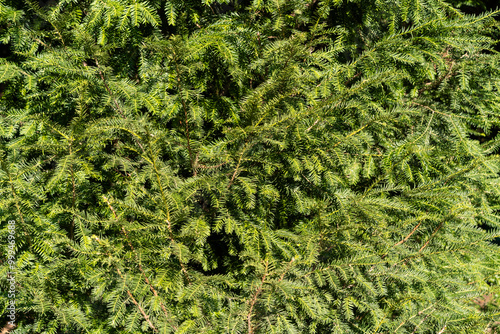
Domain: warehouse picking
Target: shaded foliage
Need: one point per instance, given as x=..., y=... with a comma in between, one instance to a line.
x=250, y=166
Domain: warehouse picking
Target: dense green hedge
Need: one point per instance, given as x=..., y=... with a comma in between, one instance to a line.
x=321, y=166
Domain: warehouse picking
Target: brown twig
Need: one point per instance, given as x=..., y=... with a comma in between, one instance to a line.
x=432, y=85
x=110, y=207
x=432, y=235
x=153, y=290
x=146, y=317
x=409, y=235
x=351, y=79
x=421, y=322
x=309, y=128
x=236, y=170
x=286, y=269
x=254, y=299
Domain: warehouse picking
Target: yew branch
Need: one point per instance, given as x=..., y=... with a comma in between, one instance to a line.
x=254, y=299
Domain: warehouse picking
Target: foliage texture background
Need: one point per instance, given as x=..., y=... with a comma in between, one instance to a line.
x=296, y=166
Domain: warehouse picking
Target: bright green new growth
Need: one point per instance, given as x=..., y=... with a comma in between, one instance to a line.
x=250, y=166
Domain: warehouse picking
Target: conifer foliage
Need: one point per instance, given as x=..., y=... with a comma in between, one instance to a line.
x=284, y=166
